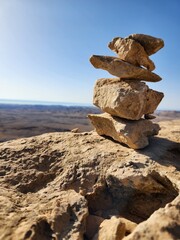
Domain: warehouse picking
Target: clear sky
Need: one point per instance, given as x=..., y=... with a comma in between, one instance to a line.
x=45, y=45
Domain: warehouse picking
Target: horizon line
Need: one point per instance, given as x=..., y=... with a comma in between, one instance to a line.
x=41, y=102
x=56, y=103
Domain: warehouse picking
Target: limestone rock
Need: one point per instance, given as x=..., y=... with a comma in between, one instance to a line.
x=111, y=229
x=56, y=217
x=164, y=222
x=92, y=225
x=75, y=130
x=150, y=183
x=131, y=52
x=122, y=69
x=129, y=225
x=128, y=99
x=115, y=228
x=42, y=177
x=150, y=44
x=132, y=133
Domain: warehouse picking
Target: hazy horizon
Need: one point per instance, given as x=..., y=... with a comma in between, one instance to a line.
x=59, y=103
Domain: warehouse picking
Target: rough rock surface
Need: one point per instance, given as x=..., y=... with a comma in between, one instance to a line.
x=150, y=44
x=114, y=228
x=92, y=225
x=128, y=99
x=111, y=229
x=166, y=220
x=131, y=52
x=122, y=69
x=134, y=134
x=51, y=183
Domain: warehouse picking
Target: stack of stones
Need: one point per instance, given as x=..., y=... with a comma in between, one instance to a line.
x=127, y=101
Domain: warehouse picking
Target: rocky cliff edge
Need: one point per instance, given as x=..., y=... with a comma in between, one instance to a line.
x=82, y=185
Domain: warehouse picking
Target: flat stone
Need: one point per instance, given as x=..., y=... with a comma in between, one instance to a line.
x=122, y=69
x=132, y=133
x=150, y=44
x=127, y=99
x=132, y=52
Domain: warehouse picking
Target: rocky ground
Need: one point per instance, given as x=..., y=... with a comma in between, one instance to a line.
x=83, y=186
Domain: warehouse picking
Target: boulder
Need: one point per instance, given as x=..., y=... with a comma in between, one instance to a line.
x=128, y=99
x=132, y=133
x=111, y=229
x=132, y=52
x=150, y=44
x=122, y=69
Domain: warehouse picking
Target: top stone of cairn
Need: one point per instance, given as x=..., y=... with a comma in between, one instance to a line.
x=132, y=52
x=150, y=44
x=133, y=60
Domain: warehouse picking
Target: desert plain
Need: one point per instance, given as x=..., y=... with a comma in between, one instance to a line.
x=18, y=121
x=30, y=120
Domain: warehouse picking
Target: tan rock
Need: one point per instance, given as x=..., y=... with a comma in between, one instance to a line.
x=131, y=52
x=111, y=229
x=92, y=225
x=122, y=69
x=163, y=224
x=51, y=207
x=127, y=99
x=57, y=216
x=150, y=44
x=75, y=130
x=145, y=192
x=132, y=133
x=129, y=225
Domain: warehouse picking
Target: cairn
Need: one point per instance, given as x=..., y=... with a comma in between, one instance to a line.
x=126, y=99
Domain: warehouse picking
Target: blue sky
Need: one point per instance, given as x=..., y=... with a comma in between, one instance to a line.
x=45, y=46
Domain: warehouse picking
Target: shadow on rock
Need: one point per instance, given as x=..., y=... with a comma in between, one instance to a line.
x=163, y=151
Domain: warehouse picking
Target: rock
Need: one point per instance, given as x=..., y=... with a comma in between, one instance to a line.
x=75, y=130
x=150, y=44
x=116, y=180
x=127, y=99
x=122, y=69
x=92, y=225
x=111, y=229
x=131, y=52
x=163, y=224
x=132, y=133
x=125, y=186
x=149, y=116
x=129, y=225
x=56, y=217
